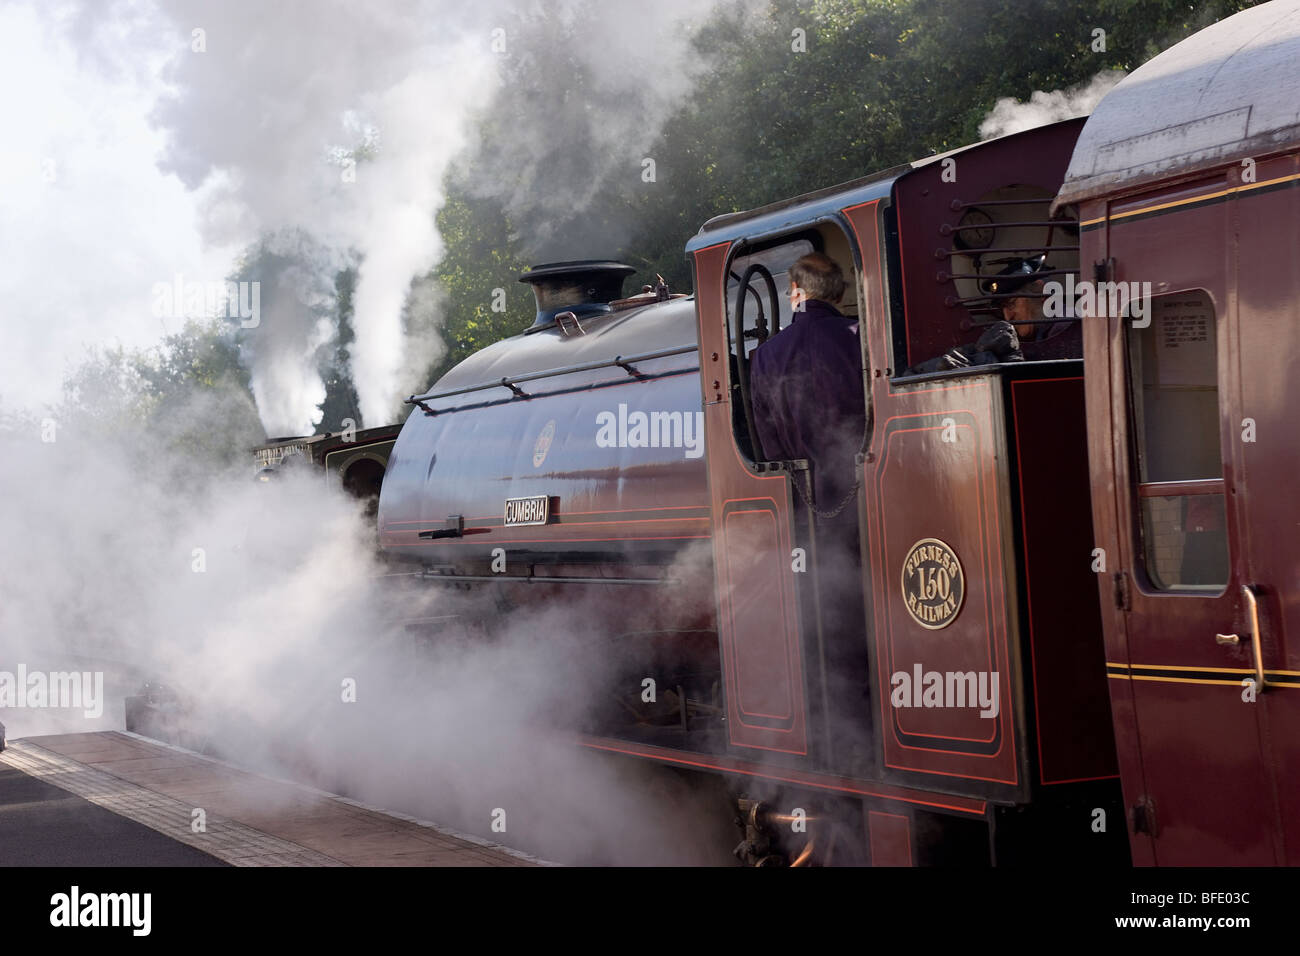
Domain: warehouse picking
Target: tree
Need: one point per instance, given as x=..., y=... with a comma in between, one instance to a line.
x=185, y=401
x=880, y=83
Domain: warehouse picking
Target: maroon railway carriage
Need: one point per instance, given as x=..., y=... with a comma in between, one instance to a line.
x=1187, y=177
x=563, y=466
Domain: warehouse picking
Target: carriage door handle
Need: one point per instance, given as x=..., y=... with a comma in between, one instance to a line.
x=1252, y=608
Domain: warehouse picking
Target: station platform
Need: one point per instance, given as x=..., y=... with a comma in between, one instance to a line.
x=119, y=799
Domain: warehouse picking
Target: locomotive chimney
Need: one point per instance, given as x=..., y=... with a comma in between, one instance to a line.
x=584, y=287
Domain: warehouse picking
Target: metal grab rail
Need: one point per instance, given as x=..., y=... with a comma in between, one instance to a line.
x=948, y=229
x=511, y=381
x=1252, y=608
x=974, y=323
x=943, y=276
x=742, y=366
x=971, y=253
x=958, y=204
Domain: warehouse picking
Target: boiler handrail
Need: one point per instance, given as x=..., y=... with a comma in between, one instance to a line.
x=511, y=381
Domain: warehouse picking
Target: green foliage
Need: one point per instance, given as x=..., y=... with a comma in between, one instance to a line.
x=481, y=256
x=882, y=82
x=187, y=399
x=203, y=354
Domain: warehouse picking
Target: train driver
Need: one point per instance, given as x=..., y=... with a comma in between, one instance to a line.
x=1018, y=336
x=1038, y=340
x=807, y=382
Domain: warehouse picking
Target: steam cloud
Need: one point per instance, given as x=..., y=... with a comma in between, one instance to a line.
x=255, y=602
x=1009, y=115
x=336, y=121
x=573, y=118
x=333, y=126
x=245, y=146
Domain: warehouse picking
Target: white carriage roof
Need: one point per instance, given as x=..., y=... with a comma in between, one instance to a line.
x=1228, y=92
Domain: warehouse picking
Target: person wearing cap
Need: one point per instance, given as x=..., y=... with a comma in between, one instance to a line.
x=1017, y=336
x=1023, y=312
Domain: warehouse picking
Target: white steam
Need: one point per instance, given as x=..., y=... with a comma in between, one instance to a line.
x=256, y=602
x=280, y=90
x=588, y=100
x=285, y=352
x=147, y=552
x=88, y=224
x=160, y=140
x=338, y=121
x=1009, y=115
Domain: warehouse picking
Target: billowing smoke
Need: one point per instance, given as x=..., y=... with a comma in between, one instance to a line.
x=284, y=353
x=334, y=125
x=88, y=225
x=586, y=95
x=336, y=121
x=290, y=648
x=308, y=139
x=1009, y=115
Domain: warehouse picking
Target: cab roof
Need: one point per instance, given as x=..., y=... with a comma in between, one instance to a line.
x=1229, y=92
x=789, y=214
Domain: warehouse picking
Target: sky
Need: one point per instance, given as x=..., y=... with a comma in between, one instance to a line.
x=88, y=221
x=150, y=145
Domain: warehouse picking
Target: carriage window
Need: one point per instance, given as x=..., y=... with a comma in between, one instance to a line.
x=1173, y=371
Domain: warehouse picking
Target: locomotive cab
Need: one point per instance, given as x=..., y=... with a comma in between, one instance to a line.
x=974, y=667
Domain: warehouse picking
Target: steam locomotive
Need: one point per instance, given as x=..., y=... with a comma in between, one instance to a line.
x=354, y=460
x=1137, y=650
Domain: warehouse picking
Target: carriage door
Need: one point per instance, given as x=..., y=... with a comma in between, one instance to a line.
x=1203, y=795
x=1268, y=338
